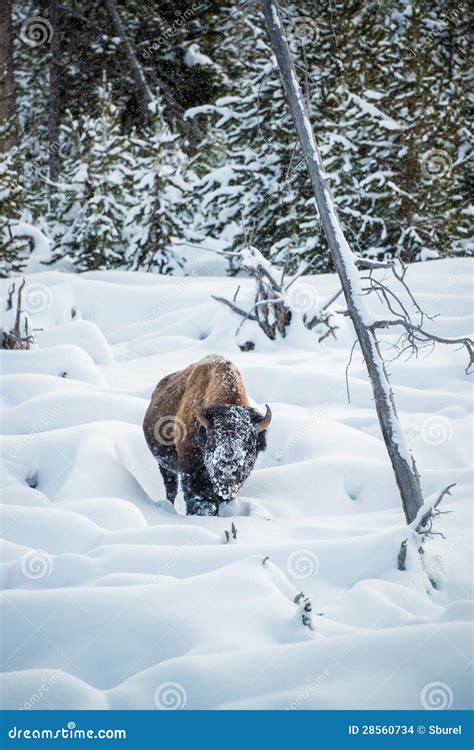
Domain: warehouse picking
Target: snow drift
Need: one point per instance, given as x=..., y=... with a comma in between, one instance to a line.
x=112, y=598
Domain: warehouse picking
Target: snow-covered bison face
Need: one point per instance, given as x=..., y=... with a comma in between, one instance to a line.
x=230, y=438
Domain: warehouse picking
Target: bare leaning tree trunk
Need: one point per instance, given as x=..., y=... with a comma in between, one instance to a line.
x=403, y=464
x=145, y=94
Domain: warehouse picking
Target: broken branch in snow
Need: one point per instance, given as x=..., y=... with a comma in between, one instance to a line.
x=271, y=308
x=10, y=294
x=232, y=534
x=303, y=601
x=422, y=526
x=425, y=522
x=14, y=339
x=238, y=310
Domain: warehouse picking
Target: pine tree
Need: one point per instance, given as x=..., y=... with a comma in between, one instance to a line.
x=405, y=186
x=13, y=250
x=244, y=195
x=386, y=87
x=93, y=193
x=387, y=96
x=152, y=221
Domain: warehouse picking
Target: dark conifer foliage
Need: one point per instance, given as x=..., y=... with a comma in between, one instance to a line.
x=123, y=173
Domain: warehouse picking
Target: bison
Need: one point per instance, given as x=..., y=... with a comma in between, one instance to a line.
x=200, y=427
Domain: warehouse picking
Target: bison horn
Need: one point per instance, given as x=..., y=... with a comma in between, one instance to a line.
x=201, y=417
x=265, y=421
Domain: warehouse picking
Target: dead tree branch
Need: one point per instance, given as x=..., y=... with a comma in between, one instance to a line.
x=271, y=308
x=422, y=527
x=415, y=335
x=14, y=338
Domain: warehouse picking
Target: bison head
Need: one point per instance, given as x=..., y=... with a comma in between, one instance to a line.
x=230, y=438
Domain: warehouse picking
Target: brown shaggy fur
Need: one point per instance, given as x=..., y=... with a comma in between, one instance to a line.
x=213, y=380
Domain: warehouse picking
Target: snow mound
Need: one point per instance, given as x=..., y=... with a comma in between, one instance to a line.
x=110, y=593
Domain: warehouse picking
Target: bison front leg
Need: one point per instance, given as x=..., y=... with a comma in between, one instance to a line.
x=170, y=480
x=200, y=498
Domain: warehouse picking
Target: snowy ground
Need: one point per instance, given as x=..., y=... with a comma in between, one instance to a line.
x=113, y=600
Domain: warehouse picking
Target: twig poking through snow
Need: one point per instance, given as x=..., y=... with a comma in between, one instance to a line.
x=305, y=604
x=14, y=339
x=232, y=534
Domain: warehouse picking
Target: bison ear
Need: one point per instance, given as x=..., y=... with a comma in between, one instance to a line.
x=261, y=423
x=201, y=417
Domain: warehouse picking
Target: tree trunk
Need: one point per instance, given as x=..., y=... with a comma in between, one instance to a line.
x=145, y=95
x=53, y=99
x=8, y=131
x=193, y=131
x=403, y=464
